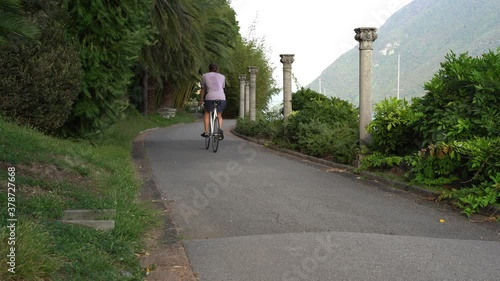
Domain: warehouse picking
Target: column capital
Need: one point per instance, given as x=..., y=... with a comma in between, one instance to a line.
x=366, y=36
x=287, y=58
x=253, y=69
x=242, y=77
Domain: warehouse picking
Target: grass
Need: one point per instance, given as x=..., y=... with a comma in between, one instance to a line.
x=52, y=175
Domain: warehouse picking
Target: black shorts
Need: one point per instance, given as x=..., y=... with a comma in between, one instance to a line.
x=209, y=105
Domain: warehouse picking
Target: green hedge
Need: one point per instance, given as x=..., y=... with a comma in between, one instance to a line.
x=40, y=79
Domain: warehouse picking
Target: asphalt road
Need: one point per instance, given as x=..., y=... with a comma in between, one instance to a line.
x=250, y=213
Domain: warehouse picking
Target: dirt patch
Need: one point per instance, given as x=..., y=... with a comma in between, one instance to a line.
x=164, y=257
x=46, y=172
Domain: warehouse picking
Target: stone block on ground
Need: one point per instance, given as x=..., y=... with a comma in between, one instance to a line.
x=98, y=219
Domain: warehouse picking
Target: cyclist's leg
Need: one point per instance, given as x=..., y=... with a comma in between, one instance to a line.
x=206, y=120
x=219, y=115
x=220, y=109
x=206, y=116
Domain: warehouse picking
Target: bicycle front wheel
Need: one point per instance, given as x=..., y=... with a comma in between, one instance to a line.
x=215, y=144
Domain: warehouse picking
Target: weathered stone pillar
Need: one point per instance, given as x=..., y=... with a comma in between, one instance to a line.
x=287, y=61
x=242, y=78
x=253, y=87
x=247, y=99
x=365, y=36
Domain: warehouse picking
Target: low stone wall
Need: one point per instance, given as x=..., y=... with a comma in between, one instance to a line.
x=166, y=112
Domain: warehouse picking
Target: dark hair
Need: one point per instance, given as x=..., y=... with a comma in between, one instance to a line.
x=213, y=67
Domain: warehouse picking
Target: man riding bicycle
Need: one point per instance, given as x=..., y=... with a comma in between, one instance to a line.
x=212, y=88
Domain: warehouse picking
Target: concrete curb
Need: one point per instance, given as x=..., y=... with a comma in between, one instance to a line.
x=150, y=191
x=390, y=185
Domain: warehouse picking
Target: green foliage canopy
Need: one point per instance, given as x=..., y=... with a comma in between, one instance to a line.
x=326, y=127
x=12, y=23
x=456, y=128
x=250, y=53
x=462, y=100
x=40, y=80
x=392, y=127
x=111, y=35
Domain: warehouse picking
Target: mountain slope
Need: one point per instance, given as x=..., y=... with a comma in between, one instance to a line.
x=422, y=33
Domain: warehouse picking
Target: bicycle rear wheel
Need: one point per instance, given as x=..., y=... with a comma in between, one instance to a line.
x=207, y=139
x=215, y=135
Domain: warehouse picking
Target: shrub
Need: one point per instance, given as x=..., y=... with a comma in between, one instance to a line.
x=326, y=127
x=40, y=80
x=267, y=125
x=457, y=125
x=332, y=111
x=336, y=141
x=462, y=99
x=392, y=127
x=304, y=96
x=480, y=158
x=474, y=199
x=435, y=165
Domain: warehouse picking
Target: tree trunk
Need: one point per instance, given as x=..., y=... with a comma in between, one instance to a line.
x=151, y=99
x=168, y=95
x=145, y=92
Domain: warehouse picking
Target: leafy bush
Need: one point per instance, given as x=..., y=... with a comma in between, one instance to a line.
x=392, y=127
x=457, y=121
x=435, y=166
x=462, y=99
x=380, y=161
x=267, y=125
x=111, y=35
x=332, y=111
x=480, y=158
x=304, y=96
x=474, y=199
x=337, y=141
x=40, y=80
x=324, y=127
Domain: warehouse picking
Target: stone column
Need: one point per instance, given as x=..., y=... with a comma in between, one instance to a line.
x=253, y=81
x=287, y=61
x=242, y=78
x=365, y=36
x=247, y=99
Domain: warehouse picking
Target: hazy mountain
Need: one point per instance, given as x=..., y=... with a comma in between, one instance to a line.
x=422, y=33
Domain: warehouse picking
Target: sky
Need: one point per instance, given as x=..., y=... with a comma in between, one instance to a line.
x=316, y=31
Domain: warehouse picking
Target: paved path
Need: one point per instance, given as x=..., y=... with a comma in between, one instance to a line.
x=249, y=213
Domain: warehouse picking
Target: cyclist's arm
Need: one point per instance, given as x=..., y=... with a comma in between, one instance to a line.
x=202, y=95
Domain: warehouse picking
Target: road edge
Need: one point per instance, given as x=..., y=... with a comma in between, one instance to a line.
x=387, y=184
x=164, y=255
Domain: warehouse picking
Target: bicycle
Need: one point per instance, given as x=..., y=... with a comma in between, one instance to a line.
x=214, y=129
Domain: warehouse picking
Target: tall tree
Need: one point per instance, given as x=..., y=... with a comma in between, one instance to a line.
x=176, y=52
x=111, y=35
x=251, y=53
x=187, y=37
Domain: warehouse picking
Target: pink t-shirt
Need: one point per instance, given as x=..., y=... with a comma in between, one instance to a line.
x=214, y=83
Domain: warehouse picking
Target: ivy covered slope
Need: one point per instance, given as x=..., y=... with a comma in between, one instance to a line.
x=451, y=136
